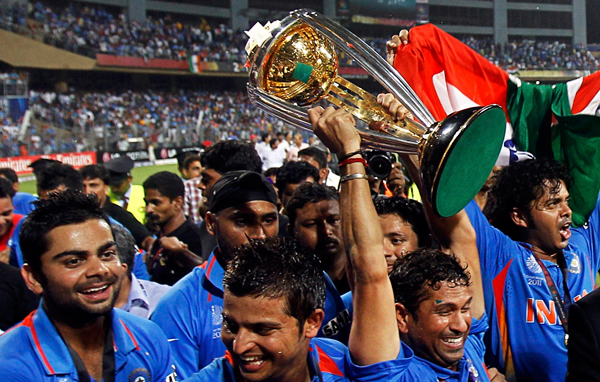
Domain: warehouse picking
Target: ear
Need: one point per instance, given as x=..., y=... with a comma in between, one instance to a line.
x=32, y=279
x=519, y=218
x=210, y=220
x=313, y=323
x=402, y=318
x=178, y=202
x=323, y=175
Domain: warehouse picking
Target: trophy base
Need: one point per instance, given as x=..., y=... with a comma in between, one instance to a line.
x=459, y=155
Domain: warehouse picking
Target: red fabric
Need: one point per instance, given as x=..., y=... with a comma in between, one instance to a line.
x=431, y=51
x=4, y=239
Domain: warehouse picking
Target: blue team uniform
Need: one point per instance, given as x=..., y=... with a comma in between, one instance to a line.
x=190, y=316
x=526, y=338
x=34, y=351
x=328, y=361
x=23, y=203
x=471, y=368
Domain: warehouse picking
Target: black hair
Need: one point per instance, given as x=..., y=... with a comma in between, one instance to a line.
x=9, y=174
x=95, y=171
x=410, y=211
x=278, y=268
x=308, y=193
x=317, y=154
x=61, y=208
x=57, y=174
x=166, y=183
x=6, y=188
x=294, y=173
x=189, y=160
x=415, y=274
x=521, y=184
x=231, y=155
x=126, y=247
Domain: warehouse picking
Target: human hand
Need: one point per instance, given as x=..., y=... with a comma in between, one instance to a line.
x=336, y=129
x=172, y=244
x=495, y=375
x=5, y=256
x=392, y=45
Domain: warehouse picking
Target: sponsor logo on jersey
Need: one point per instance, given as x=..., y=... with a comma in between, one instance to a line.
x=335, y=325
x=533, y=265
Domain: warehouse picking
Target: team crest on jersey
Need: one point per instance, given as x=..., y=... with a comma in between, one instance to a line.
x=217, y=318
x=533, y=265
x=575, y=266
x=139, y=375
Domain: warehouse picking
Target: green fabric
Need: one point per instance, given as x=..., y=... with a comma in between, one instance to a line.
x=470, y=162
x=528, y=105
x=576, y=143
x=573, y=140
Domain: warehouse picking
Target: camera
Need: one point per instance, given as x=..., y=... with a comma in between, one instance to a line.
x=380, y=163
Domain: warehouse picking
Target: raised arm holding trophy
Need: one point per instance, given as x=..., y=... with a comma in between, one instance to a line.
x=293, y=64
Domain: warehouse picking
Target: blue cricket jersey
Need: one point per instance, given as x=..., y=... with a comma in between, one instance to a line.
x=190, y=316
x=34, y=351
x=526, y=339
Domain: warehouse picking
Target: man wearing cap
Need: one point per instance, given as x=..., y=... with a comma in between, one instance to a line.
x=122, y=192
x=242, y=207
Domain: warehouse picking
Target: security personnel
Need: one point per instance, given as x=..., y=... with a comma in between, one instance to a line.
x=122, y=192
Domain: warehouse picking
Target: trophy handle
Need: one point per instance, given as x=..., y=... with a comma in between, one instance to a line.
x=298, y=117
x=370, y=60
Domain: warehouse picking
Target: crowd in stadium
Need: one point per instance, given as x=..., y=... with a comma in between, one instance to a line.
x=89, y=29
x=273, y=255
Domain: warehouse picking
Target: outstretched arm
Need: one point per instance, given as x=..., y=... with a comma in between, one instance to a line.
x=374, y=335
x=455, y=234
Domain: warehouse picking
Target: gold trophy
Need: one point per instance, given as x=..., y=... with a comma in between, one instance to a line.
x=294, y=65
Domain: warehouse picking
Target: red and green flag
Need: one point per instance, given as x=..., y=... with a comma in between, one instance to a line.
x=556, y=121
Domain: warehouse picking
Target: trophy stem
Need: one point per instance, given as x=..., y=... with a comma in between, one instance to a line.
x=298, y=117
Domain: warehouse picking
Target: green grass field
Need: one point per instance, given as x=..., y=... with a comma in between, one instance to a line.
x=140, y=174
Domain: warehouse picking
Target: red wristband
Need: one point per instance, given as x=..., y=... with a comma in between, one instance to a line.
x=353, y=160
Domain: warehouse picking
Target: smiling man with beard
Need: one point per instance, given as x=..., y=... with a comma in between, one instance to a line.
x=174, y=253
x=71, y=260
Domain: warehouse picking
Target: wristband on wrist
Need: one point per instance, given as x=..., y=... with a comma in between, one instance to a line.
x=349, y=177
x=353, y=160
x=353, y=153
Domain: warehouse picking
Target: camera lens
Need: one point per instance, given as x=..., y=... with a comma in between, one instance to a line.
x=380, y=165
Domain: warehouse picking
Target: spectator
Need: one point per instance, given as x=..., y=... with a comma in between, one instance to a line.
x=8, y=219
x=22, y=201
x=292, y=175
x=138, y=297
x=318, y=158
x=95, y=180
x=175, y=253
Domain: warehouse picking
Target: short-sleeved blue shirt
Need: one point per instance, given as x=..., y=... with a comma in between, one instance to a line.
x=34, y=351
x=190, y=315
x=526, y=338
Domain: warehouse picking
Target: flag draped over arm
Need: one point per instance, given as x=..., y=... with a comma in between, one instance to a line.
x=545, y=120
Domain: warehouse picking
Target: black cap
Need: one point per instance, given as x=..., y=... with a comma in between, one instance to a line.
x=118, y=169
x=238, y=187
x=39, y=165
